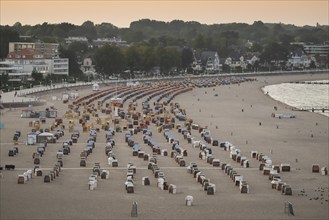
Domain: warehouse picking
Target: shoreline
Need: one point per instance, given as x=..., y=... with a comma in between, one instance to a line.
x=295, y=108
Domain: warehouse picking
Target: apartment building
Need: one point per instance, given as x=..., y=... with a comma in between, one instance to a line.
x=60, y=66
x=317, y=49
x=32, y=59
x=15, y=72
x=48, y=50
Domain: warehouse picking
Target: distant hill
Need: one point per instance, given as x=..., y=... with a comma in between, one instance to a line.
x=226, y=39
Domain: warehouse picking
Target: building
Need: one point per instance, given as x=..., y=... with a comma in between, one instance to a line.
x=32, y=59
x=197, y=66
x=15, y=72
x=76, y=39
x=48, y=50
x=117, y=41
x=318, y=53
x=316, y=49
x=210, y=61
x=298, y=62
x=28, y=59
x=15, y=46
x=252, y=60
x=298, y=59
x=60, y=66
x=87, y=65
x=236, y=63
x=7, y=67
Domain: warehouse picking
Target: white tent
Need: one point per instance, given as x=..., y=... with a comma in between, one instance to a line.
x=95, y=87
x=44, y=136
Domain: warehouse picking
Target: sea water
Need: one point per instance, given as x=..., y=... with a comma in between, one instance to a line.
x=301, y=95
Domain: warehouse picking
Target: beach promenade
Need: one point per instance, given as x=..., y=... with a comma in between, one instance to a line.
x=240, y=114
x=19, y=98
x=27, y=95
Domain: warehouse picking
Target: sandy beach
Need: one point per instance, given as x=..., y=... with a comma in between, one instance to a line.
x=237, y=113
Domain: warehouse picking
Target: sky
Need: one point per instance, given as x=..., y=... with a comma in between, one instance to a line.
x=122, y=13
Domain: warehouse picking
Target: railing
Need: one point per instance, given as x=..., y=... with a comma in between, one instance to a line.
x=180, y=77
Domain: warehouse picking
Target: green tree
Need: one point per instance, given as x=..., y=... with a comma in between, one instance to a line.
x=226, y=68
x=149, y=57
x=168, y=58
x=312, y=35
x=109, y=60
x=278, y=31
x=256, y=47
x=59, y=32
x=230, y=37
x=74, y=67
x=106, y=30
x=88, y=30
x=38, y=77
x=199, y=42
x=6, y=35
x=79, y=49
x=134, y=36
x=186, y=57
x=274, y=52
x=3, y=81
x=312, y=65
x=133, y=58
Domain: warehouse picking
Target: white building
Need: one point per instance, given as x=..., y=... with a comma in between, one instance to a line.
x=87, y=65
x=253, y=60
x=76, y=39
x=99, y=42
x=296, y=61
x=236, y=63
x=14, y=71
x=29, y=59
x=316, y=49
x=60, y=66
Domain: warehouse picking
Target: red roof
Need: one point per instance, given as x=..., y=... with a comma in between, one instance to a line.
x=24, y=54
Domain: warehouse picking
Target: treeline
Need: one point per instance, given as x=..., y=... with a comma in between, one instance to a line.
x=219, y=37
x=110, y=60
